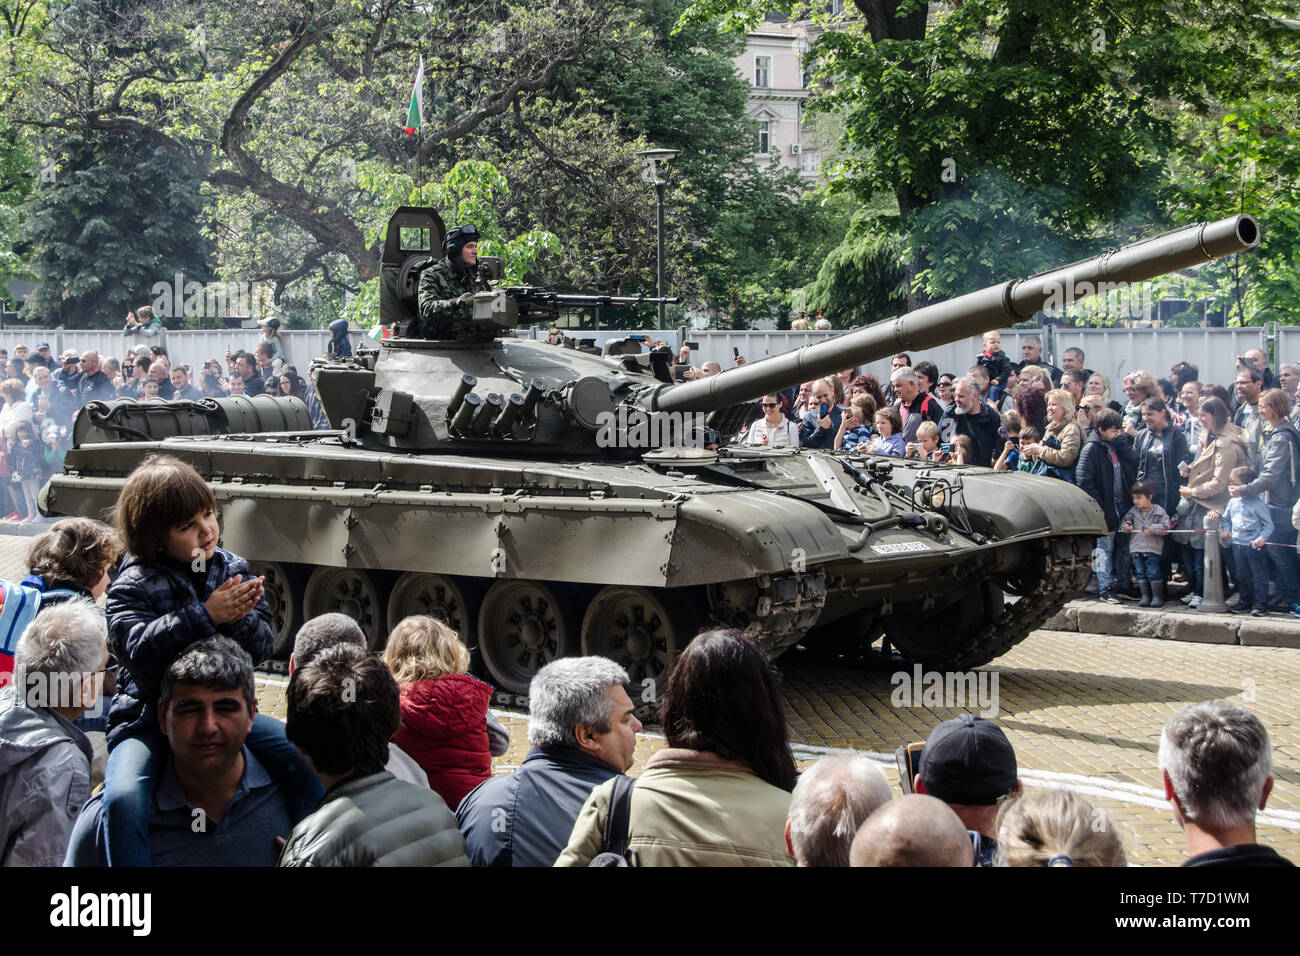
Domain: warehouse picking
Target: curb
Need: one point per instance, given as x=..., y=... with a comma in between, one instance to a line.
x=1094, y=617
x=18, y=530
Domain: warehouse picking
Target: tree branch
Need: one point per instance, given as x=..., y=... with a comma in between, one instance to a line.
x=575, y=173
x=319, y=218
x=310, y=261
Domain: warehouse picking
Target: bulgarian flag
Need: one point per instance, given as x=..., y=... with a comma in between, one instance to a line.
x=415, y=112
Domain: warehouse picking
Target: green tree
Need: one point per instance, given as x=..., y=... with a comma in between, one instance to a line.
x=862, y=279
x=16, y=179
x=281, y=101
x=113, y=220
x=768, y=242
x=1247, y=161
x=1019, y=134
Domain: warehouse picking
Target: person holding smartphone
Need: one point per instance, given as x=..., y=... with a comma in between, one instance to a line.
x=822, y=423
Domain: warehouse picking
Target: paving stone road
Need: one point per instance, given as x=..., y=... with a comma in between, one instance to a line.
x=1082, y=710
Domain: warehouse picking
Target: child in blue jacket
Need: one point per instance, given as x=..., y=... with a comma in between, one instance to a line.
x=175, y=587
x=1248, y=524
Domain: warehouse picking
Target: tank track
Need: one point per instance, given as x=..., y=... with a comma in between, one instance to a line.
x=780, y=610
x=1067, y=565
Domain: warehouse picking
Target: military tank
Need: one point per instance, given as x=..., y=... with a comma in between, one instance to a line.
x=545, y=499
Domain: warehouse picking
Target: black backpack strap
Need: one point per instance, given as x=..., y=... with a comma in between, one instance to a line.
x=619, y=817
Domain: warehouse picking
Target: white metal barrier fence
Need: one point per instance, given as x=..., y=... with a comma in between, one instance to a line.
x=1115, y=352
x=192, y=347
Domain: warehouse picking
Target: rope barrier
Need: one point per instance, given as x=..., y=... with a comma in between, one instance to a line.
x=1267, y=544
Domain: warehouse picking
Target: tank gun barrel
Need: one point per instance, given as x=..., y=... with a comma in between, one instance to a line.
x=971, y=314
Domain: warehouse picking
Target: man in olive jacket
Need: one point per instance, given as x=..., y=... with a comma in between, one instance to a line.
x=446, y=292
x=342, y=712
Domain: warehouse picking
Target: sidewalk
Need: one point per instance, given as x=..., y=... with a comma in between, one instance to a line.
x=1176, y=622
x=24, y=530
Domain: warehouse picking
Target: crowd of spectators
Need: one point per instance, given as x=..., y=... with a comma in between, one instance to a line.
x=1171, y=453
x=42, y=395
x=386, y=760
x=724, y=792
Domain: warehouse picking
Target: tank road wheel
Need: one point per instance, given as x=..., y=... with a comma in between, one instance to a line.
x=941, y=636
x=641, y=630
x=522, y=627
x=282, y=588
x=349, y=591
x=453, y=601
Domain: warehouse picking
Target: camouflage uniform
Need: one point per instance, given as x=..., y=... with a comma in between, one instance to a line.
x=440, y=286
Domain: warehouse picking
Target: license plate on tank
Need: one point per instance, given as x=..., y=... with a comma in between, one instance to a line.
x=900, y=548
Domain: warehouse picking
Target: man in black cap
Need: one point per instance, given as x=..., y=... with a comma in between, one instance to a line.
x=447, y=287
x=969, y=764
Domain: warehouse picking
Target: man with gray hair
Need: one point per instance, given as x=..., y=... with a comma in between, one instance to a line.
x=1217, y=769
x=583, y=727
x=1031, y=353
x=830, y=802
x=1259, y=362
x=59, y=667
x=913, y=405
x=1288, y=379
x=972, y=417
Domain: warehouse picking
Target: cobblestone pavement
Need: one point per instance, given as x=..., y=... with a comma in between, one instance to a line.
x=1082, y=710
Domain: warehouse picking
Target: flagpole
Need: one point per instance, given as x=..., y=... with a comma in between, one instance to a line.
x=419, y=137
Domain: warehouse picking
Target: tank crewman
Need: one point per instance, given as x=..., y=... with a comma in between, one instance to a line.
x=447, y=287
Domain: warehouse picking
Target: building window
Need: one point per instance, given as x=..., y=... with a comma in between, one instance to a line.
x=764, y=135
x=808, y=162
x=762, y=72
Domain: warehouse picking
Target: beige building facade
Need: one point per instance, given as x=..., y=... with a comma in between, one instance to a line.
x=778, y=92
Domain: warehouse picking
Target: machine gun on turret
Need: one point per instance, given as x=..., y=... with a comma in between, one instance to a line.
x=506, y=307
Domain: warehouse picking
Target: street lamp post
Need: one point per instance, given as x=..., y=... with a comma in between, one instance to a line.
x=650, y=158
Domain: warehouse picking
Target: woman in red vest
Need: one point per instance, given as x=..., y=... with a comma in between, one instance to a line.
x=446, y=726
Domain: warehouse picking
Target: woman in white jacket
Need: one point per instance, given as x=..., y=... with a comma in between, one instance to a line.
x=773, y=430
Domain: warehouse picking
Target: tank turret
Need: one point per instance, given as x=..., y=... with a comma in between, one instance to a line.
x=491, y=391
